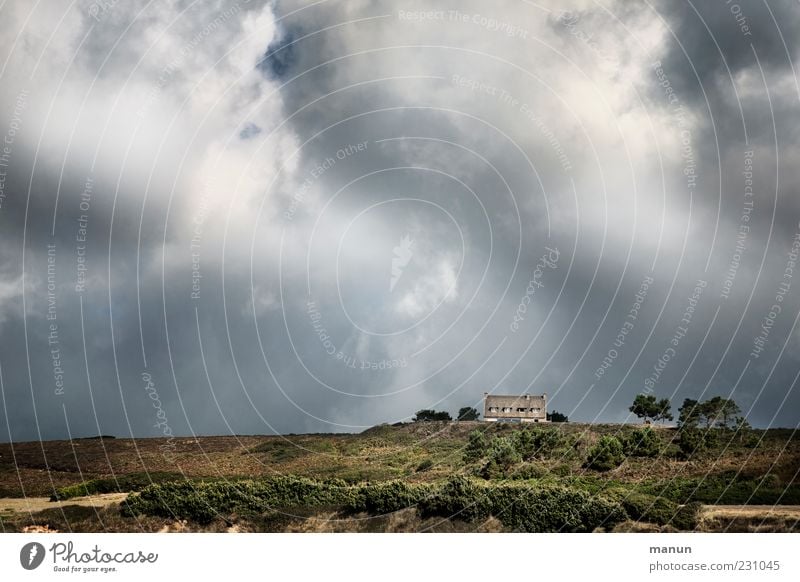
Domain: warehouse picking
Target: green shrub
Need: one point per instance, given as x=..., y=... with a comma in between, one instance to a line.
x=537, y=443
x=202, y=501
x=642, y=443
x=120, y=484
x=424, y=465
x=551, y=509
x=726, y=489
x=695, y=441
x=522, y=507
x=459, y=497
x=381, y=498
x=607, y=454
x=477, y=447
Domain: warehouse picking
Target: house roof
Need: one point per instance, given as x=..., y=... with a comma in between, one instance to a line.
x=515, y=400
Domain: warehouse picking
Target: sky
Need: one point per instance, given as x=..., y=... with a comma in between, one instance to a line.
x=248, y=217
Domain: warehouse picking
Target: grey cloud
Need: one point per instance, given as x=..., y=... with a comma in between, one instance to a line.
x=451, y=113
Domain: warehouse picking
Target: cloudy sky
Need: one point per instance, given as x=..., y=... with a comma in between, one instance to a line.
x=243, y=217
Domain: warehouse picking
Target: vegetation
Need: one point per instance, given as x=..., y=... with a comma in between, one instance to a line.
x=121, y=483
x=519, y=506
x=430, y=415
x=715, y=412
x=477, y=446
x=503, y=456
x=607, y=454
x=646, y=406
x=468, y=413
x=556, y=416
x=642, y=443
x=440, y=476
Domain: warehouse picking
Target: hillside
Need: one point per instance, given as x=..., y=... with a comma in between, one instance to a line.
x=453, y=476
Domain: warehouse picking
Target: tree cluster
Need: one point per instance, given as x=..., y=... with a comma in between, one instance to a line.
x=715, y=412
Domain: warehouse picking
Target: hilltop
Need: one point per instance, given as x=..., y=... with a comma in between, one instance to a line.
x=260, y=482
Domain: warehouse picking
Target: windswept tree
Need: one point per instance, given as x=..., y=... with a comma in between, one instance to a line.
x=647, y=406
x=556, y=416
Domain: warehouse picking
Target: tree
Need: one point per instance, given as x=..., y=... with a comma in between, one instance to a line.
x=503, y=456
x=644, y=406
x=607, y=454
x=689, y=414
x=695, y=441
x=477, y=446
x=426, y=415
x=557, y=417
x=467, y=413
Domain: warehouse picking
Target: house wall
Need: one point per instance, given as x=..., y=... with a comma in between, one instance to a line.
x=508, y=408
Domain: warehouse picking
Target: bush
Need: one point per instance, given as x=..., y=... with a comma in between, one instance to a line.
x=424, y=465
x=529, y=471
x=519, y=506
x=537, y=443
x=607, y=454
x=459, y=497
x=642, y=443
x=552, y=509
x=726, y=489
x=522, y=507
x=381, y=498
x=503, y=456
x=203, y=501
x=694, y=441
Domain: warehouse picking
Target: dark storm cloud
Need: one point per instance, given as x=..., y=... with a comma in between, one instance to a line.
x=252, y=206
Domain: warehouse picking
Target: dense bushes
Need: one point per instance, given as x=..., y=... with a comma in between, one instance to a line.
x=695, y=441
x=519, y=506
x=551, y=508
x=120, y=484
x=380, y=498
x=607, y=454
x=202, y=501
x=503, y=453
x=726, y=489
x=657, y=510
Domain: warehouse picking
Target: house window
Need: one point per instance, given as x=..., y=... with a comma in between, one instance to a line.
x=536, y=409
x=522, y=410
x=492, y=409
x=506, y=409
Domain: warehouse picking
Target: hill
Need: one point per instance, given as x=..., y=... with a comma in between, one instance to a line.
x=452, y=476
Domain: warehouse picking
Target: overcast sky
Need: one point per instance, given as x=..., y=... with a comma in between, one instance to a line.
x=249, y=217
